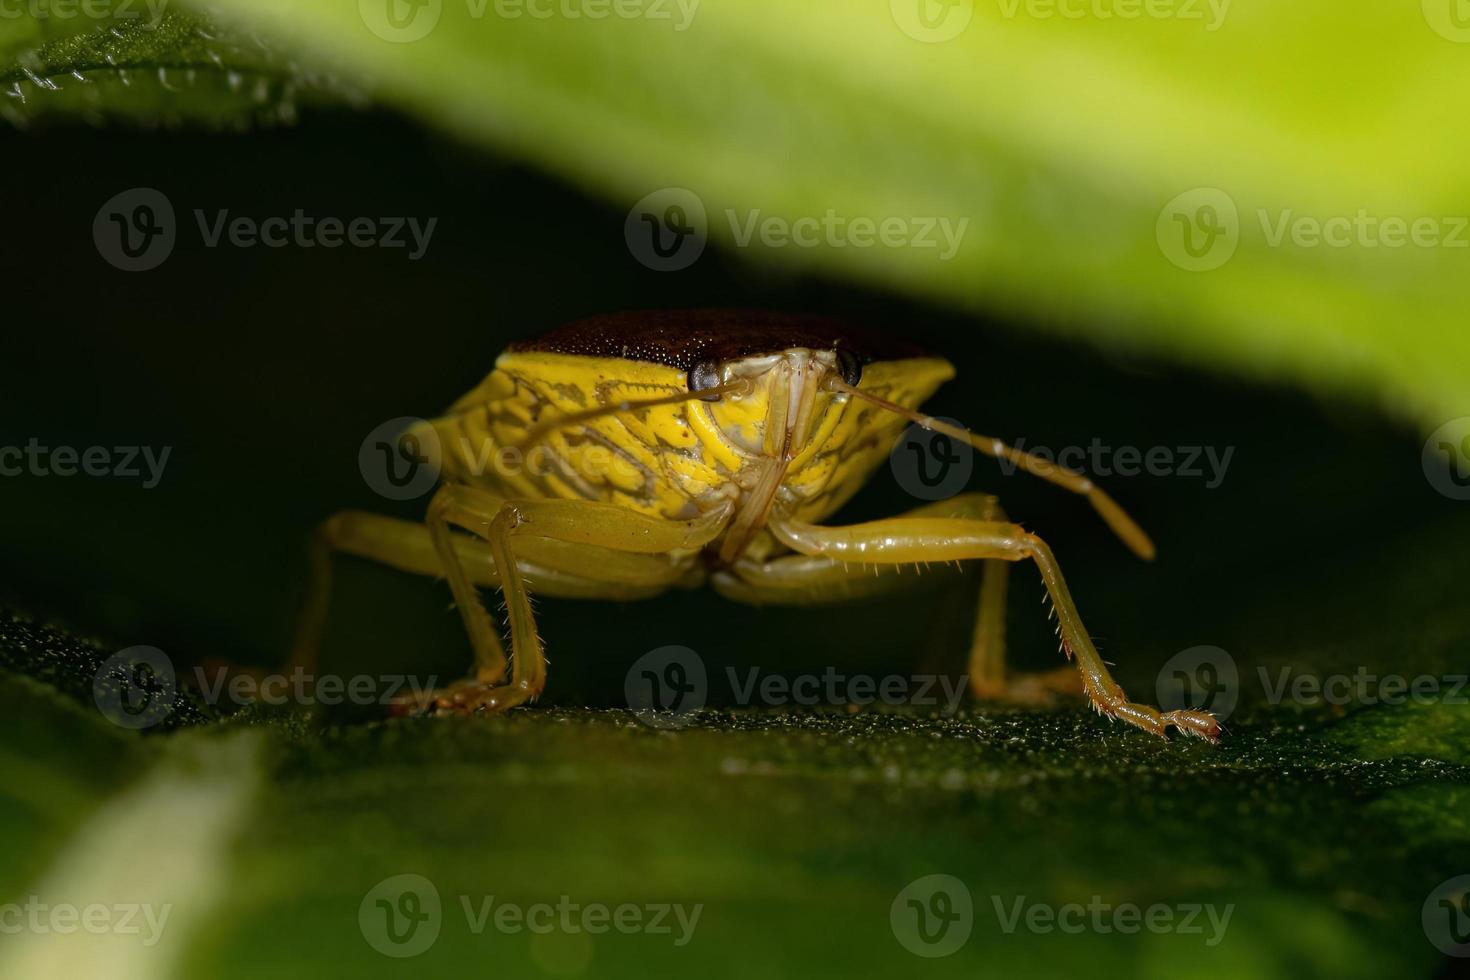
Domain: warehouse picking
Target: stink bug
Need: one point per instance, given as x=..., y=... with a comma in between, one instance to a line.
x=706, y=447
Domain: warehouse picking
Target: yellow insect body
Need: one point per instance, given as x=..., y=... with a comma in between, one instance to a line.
x=622, y=456
x=672, y=461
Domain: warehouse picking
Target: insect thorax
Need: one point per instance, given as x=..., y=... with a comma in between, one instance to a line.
x=675, y=461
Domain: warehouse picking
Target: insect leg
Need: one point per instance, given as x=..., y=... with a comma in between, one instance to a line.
x=988, y=648
x=799, y=580
x=506, y=526
x=553, y=567
x=907, y=540
x=453, y=505
x=989, y=679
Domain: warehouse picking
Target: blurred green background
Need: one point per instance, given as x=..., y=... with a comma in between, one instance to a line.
x=1325, y=549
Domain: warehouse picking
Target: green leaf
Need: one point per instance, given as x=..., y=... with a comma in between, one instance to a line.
x=1065, y=142
x=1319, y=840
x=1323, y=830
x=152, y=67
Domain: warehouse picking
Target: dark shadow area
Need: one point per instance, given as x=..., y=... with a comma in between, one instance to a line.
x=262, y=370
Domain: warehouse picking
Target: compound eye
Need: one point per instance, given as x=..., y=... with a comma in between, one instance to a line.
x=850, y=366
x=704, y=376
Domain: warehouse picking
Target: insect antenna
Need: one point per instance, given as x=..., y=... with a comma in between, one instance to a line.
x=541, y=430
x=1125, y=527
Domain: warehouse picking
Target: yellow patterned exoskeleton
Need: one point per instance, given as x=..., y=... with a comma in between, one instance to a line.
x=622, y=456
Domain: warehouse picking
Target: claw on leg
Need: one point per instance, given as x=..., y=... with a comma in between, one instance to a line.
x=463, y=698
x=1045, y=690
x=1110, y=701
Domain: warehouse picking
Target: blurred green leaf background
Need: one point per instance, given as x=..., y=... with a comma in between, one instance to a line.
x=1121, y=181
x=1309, y=153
